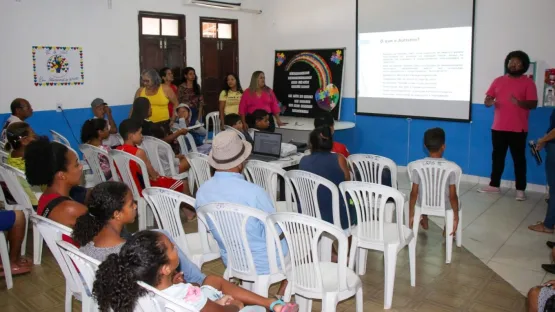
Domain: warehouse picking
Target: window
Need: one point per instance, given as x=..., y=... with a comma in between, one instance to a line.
x=160, y=26
x=217, y=30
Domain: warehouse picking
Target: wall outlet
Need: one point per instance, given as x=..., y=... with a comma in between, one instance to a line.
x=59, y=107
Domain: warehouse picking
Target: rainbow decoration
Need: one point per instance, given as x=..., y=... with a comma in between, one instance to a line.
x=327, y=96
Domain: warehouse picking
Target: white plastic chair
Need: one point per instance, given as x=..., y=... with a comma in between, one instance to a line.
x=369, y=168
x=157, y=301
x=11, y=176
x=4, y=253
x=267, y=176
x=199, y=247
x=199, y=172
x=160, y=153
x=374, y=232
x=310, y=277
x=122, y=161
x=117, y=137
x=302, y=196
x=183, y=144
x=214, y=119
x=56, y=137
x=52, y=233
x=434, y=177
x=239, y=133
x=92, y=155
x=230, y=221
x=3, y=156
x=87, y=267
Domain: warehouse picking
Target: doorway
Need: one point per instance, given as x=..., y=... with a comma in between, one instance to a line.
x=162, y=42
x=219, y=50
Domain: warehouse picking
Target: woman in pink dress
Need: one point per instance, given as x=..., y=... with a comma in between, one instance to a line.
x=260, y=96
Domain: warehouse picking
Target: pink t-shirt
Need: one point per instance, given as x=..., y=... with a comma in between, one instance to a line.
x=251, y=102
x=508, y=116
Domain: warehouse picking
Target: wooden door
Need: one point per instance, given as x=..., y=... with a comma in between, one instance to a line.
x=229, y=57
x=175, y=57
x=152, y=53
x=211, y=76
x=219, y=53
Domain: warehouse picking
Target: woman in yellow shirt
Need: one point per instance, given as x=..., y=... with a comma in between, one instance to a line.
x=230, y=96
x=19, y=135
x=159, y=96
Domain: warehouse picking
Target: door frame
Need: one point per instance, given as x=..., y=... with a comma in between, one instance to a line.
x=182, y=35
x=234, y=33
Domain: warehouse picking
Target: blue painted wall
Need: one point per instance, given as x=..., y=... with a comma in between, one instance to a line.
x=468, y=144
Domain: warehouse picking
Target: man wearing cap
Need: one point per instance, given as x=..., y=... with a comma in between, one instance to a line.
x=101, y=110
x=227, y=157
x=21, y=110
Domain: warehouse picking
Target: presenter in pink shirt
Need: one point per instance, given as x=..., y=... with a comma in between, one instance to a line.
x=512, y=96
x=259, y=96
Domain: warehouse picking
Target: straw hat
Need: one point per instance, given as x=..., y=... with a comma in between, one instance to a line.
x=228, y=151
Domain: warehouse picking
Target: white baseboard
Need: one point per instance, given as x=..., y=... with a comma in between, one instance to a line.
x=485, y=181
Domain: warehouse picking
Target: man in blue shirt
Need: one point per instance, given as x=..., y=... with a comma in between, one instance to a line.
x=227, y=157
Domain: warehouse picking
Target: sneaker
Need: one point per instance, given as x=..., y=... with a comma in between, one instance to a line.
x=520, y=196
x=489, y=189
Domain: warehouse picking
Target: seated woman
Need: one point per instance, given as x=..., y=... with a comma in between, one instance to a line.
x=94, y=132
x=330, y=166
x=142, y=110
x=150, y=257
x=54, y=165
x=18, y=136
x=539, y=296
x=13, y=221
x=131, y=132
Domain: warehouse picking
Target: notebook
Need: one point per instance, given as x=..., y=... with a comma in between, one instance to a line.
x=267, y=146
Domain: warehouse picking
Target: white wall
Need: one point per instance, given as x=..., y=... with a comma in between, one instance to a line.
x=110, y=42
x=500, y=27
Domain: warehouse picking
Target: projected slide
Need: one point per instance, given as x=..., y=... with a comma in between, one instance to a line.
x=430, y=64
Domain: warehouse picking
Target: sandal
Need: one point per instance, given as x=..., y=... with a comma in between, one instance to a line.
x=539, y=227
x=16, y=270
x=25, y=262
x=286, y=307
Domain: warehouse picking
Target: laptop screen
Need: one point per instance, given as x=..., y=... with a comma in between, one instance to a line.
x=267, y=143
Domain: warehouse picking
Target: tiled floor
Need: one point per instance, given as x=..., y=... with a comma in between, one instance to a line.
x=494, y=230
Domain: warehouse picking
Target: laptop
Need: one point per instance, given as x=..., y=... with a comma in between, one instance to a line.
x=267, y=146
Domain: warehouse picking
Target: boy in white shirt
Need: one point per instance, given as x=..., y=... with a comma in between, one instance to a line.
x=434, y=140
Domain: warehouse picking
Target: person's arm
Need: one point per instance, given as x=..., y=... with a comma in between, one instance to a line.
x=212, y=306
x=243, y=104
x=344, y=166
x=275, y=109
x=173, y=136
x=530, y=100
x=170, y=94
x=490, y=94
x=546, y=138
x=152, y=173
x=223, y=99
x=113, y=126
x=454, y=200
x=412, y=203
x=526, y=104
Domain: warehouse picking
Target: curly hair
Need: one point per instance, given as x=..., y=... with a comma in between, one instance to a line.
x=139, y=259
x=523, y=57
x=91, y=127
x=14, y=133
x=43, y=159
x=104, y=199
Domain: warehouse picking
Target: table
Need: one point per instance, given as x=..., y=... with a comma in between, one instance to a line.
x=298, y=128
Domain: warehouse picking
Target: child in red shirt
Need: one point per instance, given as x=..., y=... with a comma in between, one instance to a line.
x=326, y=119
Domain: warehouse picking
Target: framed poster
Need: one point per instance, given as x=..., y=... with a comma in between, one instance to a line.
x=549, y=87
x=57, y=66
x=307, y=82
